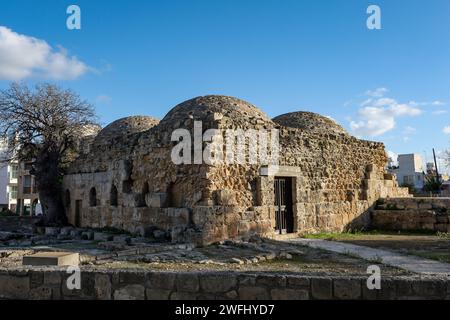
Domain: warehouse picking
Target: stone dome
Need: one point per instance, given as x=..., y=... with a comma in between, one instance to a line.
x=309, y=121
x=125, y=126
x=233, y=111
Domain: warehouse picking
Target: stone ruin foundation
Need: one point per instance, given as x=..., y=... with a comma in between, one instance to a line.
x=125, y=178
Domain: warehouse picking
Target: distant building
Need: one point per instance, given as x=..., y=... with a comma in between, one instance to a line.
x=410, y=170
x=27, y=196
x=431, y=172
x=17, y=187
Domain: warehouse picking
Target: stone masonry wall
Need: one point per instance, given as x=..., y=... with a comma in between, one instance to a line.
x=432, y=214
x=134, y=181
x=44, y=284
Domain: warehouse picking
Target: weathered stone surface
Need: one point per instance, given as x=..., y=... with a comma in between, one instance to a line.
x=41, y=293
x=161, y=280
x=347, y=289
x=430, y=214
x=187, y=282
x=216, y=283
x=127, y=179
x=271, y=281
x=321, y=288
x=157, y=294
x=103, y=287
x=130, y=292
x=13, y=287
x=289, y=294
x=253, y=293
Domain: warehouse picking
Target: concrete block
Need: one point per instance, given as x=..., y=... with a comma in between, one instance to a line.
x=52, y=259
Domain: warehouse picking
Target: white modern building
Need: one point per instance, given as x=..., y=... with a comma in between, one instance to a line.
x=17, y=188
x=410, y=170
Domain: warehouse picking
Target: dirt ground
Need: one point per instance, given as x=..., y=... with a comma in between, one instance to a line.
x=431, y=246
x=303, y=260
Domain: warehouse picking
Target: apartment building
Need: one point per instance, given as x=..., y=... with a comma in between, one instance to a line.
x=410, y=170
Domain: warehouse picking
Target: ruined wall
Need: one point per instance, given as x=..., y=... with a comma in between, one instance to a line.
x=430, y=214
x=50, y=284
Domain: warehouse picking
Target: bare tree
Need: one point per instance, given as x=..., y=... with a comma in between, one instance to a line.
x=447, y=158
x=43, y=125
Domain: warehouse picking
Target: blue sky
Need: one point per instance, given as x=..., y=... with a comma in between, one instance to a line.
x=144, y=57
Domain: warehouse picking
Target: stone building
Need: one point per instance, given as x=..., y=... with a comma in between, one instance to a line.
x=324, y=179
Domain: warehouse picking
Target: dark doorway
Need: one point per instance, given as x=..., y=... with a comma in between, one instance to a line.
x=284, y=217
x=78, y=204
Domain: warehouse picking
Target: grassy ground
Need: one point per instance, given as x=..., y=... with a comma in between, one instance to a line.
x=430, y=245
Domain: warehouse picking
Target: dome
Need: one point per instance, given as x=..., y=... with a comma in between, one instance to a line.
x=309, y=121
x=124, y=127
x=236, y=112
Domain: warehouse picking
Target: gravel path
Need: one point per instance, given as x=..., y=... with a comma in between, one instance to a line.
x=410, y=263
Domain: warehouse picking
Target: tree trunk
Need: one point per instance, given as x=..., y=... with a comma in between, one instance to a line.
x=48, y=182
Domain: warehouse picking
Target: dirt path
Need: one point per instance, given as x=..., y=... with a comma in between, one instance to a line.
x=410, y=263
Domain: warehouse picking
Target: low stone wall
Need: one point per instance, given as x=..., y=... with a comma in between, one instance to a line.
x=431, y=214
x=51, y=284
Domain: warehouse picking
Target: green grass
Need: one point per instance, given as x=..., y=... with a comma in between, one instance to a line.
x=439, y=256
x=355, y=235
x=341, y=235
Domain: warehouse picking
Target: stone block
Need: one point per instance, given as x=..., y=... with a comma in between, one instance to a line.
x=217, y=283
x=41, y=293
x=321, y=288
x=183, y=296
x=66, y=231
x=14, y=287
x=130, y=292
x=187, y=282
x=224, y=197
x=298, y=282
x=87, y=235
x=52, y=259
x=157, y=294
x=100, y=236
x=271, y=281
x=289, y=294
x=102, y=287
x=157, y=200
x=52, y=278
x=347, y=289
x=253, y=293
x=51, y=231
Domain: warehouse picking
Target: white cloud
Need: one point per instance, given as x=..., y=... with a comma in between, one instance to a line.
x=378, y=92
x=439, y=112
x=446, y=130
x=23, y=56
x=377, y=114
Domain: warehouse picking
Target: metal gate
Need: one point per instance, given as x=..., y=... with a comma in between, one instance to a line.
x=284, y=221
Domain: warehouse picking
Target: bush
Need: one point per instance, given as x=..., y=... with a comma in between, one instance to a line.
x=432, y=184
x=6, y=213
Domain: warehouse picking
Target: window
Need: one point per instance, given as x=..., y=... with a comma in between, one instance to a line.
x=113, y=201
x=408, y=179
x=67, y=199
x=92, y=197
x=28, y=166
x=140, y=198
x=14, y=171
x=27, y=184
x=13, y=192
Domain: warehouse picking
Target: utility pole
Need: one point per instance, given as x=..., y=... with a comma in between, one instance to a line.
x=435, y=165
